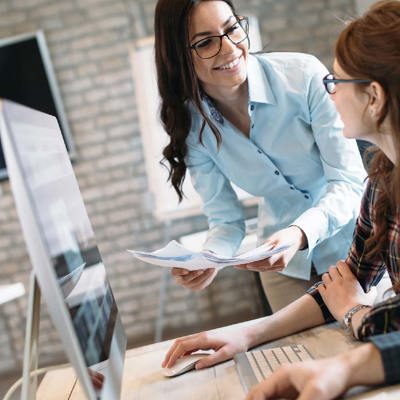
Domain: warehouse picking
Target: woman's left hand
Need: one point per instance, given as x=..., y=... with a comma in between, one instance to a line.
x=292, y=235
x=341, y=290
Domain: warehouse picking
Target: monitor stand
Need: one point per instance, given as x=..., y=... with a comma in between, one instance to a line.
x=31, y=348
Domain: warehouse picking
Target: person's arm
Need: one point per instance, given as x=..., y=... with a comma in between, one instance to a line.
x=223, y=210
x=389, y=349
x=302, y=314
x=380, y=319
x=341, y=161
x=366, y=271
x=323, y=379
x=341, y=292
x=219, y=202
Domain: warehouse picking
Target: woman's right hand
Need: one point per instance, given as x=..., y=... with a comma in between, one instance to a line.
x=225, y=345
x=194, y=280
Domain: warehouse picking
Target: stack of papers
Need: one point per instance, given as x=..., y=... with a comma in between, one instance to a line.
x=176, y=255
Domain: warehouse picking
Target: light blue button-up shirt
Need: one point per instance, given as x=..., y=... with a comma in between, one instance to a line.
x=295, y=158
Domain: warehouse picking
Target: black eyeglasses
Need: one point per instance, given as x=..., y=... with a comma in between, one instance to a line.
x=210, y=46
x=330, y=82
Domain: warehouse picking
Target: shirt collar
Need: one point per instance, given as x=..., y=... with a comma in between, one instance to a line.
x=213, y=111
x=260, y=90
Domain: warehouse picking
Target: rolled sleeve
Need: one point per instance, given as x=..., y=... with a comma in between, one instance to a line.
x=382, y=318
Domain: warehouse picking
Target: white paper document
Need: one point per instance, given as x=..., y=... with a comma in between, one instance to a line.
x=176, y=255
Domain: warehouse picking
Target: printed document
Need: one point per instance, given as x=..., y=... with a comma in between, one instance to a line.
x=176, y=255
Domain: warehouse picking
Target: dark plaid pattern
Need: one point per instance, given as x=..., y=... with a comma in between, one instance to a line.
x=389, y=347
x=385, y=316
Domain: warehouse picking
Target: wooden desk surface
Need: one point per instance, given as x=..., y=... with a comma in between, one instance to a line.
x=143, y=379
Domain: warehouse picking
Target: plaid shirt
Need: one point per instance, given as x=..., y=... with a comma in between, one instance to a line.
x=389, y=348
x=385, y=316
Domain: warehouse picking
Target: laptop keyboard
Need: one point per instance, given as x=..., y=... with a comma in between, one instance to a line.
x=265, y=362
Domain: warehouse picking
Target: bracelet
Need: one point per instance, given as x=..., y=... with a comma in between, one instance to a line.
x=349, y=315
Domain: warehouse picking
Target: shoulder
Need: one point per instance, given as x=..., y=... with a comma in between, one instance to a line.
x=193, y=143
x=289, y=61
x=298, y=69
x=370, y=195
x=195, y=123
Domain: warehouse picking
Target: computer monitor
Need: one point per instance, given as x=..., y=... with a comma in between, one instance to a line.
x=27, y=77
x=62, y=247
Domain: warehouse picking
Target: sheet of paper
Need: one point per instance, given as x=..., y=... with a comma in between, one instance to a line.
x=176, y=255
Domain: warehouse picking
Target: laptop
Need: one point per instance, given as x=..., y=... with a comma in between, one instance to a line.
x=62, y=247
x=256, y=365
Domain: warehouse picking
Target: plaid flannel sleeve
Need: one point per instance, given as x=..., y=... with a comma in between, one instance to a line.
x=389, y=348
x=382, y=318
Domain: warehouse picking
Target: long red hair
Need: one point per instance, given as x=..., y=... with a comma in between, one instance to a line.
x=369, y=47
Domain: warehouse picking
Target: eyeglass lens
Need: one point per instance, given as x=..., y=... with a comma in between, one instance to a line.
x=211, y=46
x=330, y=85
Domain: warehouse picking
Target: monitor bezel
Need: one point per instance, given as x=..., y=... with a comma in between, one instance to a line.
x=54, y=88
x=41, y=258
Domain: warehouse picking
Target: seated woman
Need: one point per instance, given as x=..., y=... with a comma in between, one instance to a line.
x=366, y=93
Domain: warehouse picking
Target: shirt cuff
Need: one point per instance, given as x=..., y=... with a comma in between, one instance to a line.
x=313, y=291
x=388, y=345
x=225, y=240
x=314, y=224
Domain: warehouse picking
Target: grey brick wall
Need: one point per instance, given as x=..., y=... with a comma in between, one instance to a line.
x=88, y=42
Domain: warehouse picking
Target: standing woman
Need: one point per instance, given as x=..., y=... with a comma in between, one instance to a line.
x=264, y=123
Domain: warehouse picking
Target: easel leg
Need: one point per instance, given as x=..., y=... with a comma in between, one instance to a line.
x=31, y=349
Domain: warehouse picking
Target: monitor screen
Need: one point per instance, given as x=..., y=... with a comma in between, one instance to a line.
x=27, y=77
x=70, y=266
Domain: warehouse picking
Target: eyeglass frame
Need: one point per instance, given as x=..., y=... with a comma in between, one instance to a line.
x=326, y=80
x=226, y=34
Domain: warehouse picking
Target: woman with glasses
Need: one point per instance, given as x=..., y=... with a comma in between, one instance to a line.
x=264, y=123
x=365, y=88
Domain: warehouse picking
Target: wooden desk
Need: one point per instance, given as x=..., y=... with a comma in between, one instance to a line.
x=143, y=379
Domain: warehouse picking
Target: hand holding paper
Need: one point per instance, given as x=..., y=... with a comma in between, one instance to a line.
x=277, y=262
x=176, y=255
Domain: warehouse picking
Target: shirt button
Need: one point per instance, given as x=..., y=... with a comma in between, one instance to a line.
x=276, y=172
x=252, y=125
x=292, y=187
x=252, y=107
x=306, y=196
x=259, y=151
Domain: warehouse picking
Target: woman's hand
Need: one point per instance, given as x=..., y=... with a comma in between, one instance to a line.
x=292, y=235
x=342, y=291
x=226, y=345
x=308, y=380
x=194, y=280
x=97, y=378
x=323, y=379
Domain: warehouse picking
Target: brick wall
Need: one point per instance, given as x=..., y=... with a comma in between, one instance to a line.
x=88, y=42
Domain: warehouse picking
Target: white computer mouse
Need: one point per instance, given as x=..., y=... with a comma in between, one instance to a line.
x=183, y=364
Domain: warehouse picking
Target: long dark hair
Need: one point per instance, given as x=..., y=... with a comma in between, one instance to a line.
x=369, y=47
x=178, y=83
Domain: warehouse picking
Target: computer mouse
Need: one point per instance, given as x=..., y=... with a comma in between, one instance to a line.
x=183, y=364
